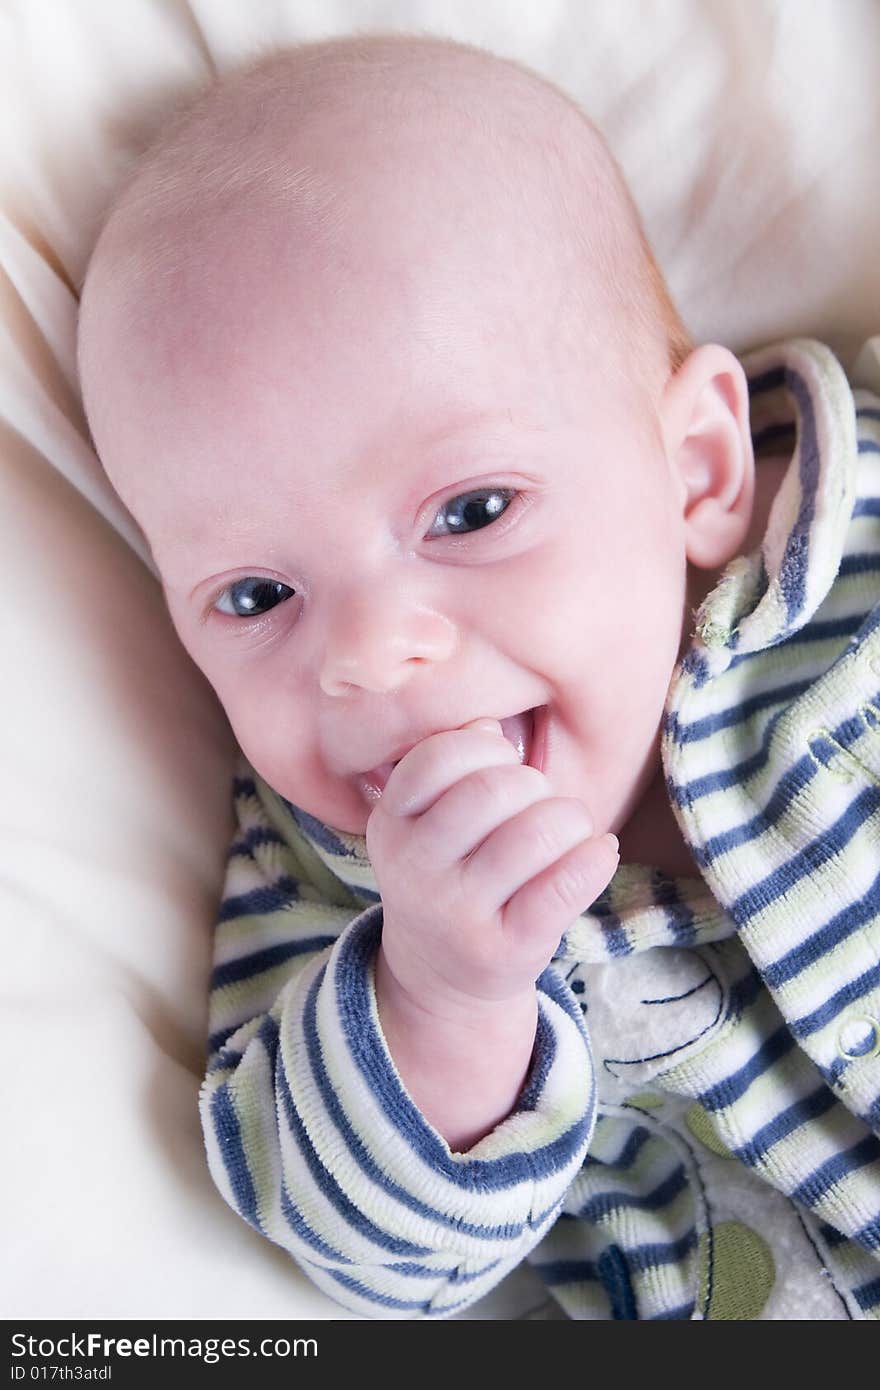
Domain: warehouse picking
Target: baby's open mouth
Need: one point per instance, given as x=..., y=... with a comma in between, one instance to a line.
x=520, y=730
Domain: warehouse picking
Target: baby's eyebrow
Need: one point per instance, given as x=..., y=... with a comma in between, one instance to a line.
x=483, y=422
x=439, y=457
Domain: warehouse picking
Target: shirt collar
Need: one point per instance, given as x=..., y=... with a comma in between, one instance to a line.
x=765, y=596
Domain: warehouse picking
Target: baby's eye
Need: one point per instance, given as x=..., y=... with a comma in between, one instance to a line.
x=471, y=511
x=249, y=598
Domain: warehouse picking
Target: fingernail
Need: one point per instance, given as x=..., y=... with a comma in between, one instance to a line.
x=615, y=843
x=490, y=725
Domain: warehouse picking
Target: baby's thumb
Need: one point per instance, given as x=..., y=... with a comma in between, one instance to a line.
x=492, y=726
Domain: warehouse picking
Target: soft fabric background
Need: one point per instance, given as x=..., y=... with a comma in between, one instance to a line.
x=749, y=133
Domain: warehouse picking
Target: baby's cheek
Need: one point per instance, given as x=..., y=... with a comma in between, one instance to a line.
x=258, y=724
x=285, y=754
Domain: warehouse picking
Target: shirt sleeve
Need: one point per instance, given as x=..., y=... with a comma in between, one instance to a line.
x=310, y=1133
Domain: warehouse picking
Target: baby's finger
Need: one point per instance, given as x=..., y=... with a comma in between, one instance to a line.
x=462, y=818
x=551, y=901
x=523, y=846
x=438, y=762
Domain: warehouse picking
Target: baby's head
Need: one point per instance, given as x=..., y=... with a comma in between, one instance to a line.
x=374, y=350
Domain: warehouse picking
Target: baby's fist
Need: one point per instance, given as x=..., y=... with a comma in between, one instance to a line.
x=480, y=868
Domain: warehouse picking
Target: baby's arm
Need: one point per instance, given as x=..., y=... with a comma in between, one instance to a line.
x=310, y=1132
x=481, y=871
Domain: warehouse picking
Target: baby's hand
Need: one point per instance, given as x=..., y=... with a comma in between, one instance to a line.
x=480, y=867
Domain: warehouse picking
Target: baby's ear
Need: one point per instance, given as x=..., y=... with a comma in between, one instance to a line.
x=704, y=417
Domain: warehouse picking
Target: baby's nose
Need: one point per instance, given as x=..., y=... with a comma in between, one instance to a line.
x=377, y=643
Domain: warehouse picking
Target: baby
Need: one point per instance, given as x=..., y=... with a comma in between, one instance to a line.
x=553, y=892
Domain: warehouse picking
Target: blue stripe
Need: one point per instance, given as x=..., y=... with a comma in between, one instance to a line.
x=867, y=412
x=254, y=838
x=381, y=1300
x=859, y=563
x=767, y=381
x=323, y=836
x=827, y=747
x=851, y=918
x=322, y=1176
x=268, y=898
x=831, y=1235
x=807, y=860
x=728, y=1091
x=233, y=972
x=446, y=1277
x=635, y=1142
x=819, y=1102
x=834, y=1170
x=791, y=786
x=447, y=1309
x=738, y=713
x=731, y=776
x=615, y=940
x=870, y=625
x=849, y=732
x=453, y=1274
x=744, y=991
x=850, y=993
x=304, y=1232
x=695, y=665
x=792, y=575
x=566, y=1271
x=680, y=919
x=687, y=793
x=653, y=1255
x=217, y=1041
x=615, y=1278
x=544, y=1055
x=779, y=434
x=227, y=1132
x=827, y=630
x=604, y=1204
x=227, y=1060
x=868, y=1295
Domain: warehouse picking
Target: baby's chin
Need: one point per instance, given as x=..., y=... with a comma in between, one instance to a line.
x=341, y=808
x=348, y=824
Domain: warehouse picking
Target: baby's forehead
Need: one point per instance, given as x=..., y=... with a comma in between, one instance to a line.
x=442, y=185
x=334, y=147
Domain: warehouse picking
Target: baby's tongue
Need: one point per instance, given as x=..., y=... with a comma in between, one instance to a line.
x=518, y=729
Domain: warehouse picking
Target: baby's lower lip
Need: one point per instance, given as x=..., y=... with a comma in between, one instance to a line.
x=524, y=732
x=372, y=784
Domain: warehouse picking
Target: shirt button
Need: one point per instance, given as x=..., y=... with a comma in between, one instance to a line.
x=858, y=1036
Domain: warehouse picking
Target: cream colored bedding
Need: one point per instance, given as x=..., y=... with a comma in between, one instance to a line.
x=749, y=134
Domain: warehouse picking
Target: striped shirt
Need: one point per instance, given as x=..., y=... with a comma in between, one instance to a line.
x=698, y=1134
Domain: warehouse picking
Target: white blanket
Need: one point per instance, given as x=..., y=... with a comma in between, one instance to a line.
x=748, y=132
